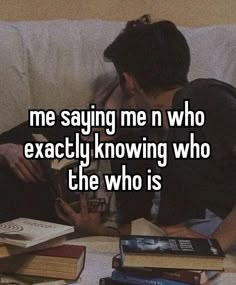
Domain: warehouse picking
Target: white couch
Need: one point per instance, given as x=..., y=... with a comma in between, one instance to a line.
x=59, y=64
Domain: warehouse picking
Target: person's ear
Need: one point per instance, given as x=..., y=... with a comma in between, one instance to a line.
x=129, y=80
x=131, y=83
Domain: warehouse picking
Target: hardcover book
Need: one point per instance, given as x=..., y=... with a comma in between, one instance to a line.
x=25, y=233
x=193, y=277
x=62, y=262
x=171, y=252
x=132, y=278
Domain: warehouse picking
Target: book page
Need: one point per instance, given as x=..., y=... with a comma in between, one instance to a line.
x=39, y=138
x=59, y=164
x=144, y=227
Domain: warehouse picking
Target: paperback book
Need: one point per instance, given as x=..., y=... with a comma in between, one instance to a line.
x=193, y=277
x=7, y=250
x=26, y=233
x=171, y=252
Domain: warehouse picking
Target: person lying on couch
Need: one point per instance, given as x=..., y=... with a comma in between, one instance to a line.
x=152, y=61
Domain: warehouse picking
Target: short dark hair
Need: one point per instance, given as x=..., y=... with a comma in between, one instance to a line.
x=157, y=54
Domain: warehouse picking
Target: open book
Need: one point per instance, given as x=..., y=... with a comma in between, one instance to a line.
x=144, y=227
x=55, y=171
x=56, y=174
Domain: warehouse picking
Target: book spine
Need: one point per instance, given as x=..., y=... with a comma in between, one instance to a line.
x=189, y=277
x=105, y=281
x=109, y=281
x=132, y=279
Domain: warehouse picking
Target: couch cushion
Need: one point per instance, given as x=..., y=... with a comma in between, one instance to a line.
x=213, y=52
x=65, y=64
x=14, y=89
x=65, y=60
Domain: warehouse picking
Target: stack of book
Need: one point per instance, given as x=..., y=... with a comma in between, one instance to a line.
x=165, y=261
x=32, y=251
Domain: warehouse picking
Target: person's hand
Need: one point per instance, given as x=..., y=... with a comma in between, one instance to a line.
x=87, y=222
x=181, y=231
x=27, y=170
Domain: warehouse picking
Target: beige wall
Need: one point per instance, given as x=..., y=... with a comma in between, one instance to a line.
x=183, y=12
